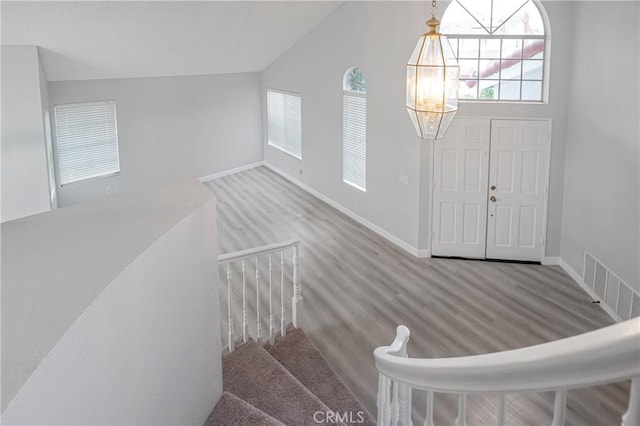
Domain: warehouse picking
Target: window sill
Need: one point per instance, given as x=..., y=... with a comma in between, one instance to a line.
x=285, y=151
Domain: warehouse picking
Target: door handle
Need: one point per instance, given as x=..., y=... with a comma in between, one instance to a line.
x=492, y=198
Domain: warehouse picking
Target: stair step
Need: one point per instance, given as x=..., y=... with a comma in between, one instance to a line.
x=233, y=411
x=255, y=376
x=300, y=356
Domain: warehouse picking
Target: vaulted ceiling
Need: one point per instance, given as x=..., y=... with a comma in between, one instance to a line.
x=84, y=40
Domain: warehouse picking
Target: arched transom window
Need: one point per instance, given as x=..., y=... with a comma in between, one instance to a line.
x=501, y=48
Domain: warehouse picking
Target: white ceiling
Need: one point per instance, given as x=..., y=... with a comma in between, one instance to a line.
x=121, y=39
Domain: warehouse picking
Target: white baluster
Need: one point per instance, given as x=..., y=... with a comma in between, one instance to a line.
x=380, y=401
x=388, y=392
x=404, y=408
x=283, y=329
x=402, y=397
x=395, y=405
x=461, y=420
x=296, y=300
x=559, y=408
x=272, y=337
x=428, y=418
x=231, y=338
x=502, y=409
x=245, y=320
x=258, y=325
x=383, y=401
x=632, y=416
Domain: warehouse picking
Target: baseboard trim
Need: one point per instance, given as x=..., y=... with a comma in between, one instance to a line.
x=231, y=171
x=578, y=279
x=423, y=253
x=373, y=227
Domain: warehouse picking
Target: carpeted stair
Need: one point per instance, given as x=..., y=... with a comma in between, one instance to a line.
x=232, y=410
x=288, y=383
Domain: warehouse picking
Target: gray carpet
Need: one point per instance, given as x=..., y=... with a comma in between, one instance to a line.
x=233, y=411
x=298, y=354
x=255, y=376
x=288, y=383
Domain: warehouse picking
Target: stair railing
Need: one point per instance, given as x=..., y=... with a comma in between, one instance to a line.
x=259, y=256
x=608, y=355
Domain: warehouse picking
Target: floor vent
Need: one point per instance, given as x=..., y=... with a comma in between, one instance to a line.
x=618, y=296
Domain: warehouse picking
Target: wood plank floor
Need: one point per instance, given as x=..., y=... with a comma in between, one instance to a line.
x=357, y=287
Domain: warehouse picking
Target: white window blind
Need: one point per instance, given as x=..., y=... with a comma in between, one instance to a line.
x=354, y=145
x=284, y=114
x=87, y=141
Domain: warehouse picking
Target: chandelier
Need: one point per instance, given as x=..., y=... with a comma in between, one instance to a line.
x=432, y=83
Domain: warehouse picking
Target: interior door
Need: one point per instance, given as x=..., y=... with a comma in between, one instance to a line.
x=517, y=189
x=461, y=170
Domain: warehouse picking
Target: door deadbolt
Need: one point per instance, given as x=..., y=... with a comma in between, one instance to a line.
x=492, y=198
x=493, y=187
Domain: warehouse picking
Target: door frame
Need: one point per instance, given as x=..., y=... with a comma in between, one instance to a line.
x=547, y=174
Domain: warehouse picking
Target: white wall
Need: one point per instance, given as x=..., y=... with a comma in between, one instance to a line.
x=379, y=38
x=120, y=324
x=560, y=14
x=48, y=137
x=171, y=127
x=25, y=182
x=601, y=187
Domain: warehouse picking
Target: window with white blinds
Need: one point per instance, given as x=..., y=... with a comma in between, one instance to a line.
x=284, y=119
x=354, y=121
x=86, y=141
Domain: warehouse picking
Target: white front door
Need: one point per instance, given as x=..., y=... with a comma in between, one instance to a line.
x=517, y=189
x=461, y=171
x=489, y=189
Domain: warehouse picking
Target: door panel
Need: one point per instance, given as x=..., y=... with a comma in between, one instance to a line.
x=502, y=234
x=529, y=178
x=527, y=229
x=504, y=165
x=447, y=234
x=461, y=170
x=471, y=226
x=518, y=170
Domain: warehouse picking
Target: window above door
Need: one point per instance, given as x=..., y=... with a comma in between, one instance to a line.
x=502, y=49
